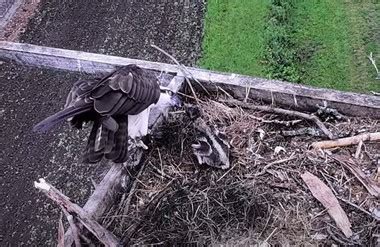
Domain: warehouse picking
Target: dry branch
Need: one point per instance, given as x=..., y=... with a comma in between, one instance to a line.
x=347, y=141
x=324, y=194
x=283, y=112
x=73, y=227
x=104, y=236
x=61, y=232
x=103, y=196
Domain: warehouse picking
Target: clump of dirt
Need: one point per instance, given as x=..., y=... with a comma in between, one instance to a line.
x=260, y=199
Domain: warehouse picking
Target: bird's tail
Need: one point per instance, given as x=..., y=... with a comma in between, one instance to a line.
x=60, y=116
x=103, y=142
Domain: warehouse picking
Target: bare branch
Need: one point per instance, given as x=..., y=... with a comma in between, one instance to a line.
x=104, y=236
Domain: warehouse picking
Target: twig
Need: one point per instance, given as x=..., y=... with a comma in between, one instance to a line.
x=74, y=228
x=266, y=167
x=61, y=232
x=370, y=57
x=184, y=71
x=358, y=149
x=302, y=131
x=372, y=187
x=275, y=121
x=284, y=112
x=224, y=91
x=347, y=141
x=159, y=171
x=355, y=206
x=104, y=236
x=162, y=169
x=247, y=91
x=131, y=193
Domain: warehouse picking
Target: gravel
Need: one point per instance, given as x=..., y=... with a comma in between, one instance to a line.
x=119, y=27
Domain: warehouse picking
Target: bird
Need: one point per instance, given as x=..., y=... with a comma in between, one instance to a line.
x=118, y=106
x=211, y=146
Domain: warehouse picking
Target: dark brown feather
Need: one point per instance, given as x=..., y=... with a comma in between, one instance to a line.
x=127, y=91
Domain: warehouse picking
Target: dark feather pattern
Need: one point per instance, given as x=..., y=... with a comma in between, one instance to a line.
x=107, y=102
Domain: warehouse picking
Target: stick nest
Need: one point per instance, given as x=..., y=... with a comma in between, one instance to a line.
x=260, y=199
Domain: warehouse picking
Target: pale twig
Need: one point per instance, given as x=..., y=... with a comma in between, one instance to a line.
x=373, y=61
x=355, y=206
x=265, y=168
x=347, y=141
x=61, y=233
x=247, y=91
x=224, y=91
x=274, y=121
x=131, y=193
x=184, y=71
x=162, y=170
x=358, y=149
x=74, y=228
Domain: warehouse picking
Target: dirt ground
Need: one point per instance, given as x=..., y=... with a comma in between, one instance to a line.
x=124, y=28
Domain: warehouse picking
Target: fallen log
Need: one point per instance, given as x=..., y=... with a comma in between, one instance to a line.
x=347, y=141
x=272, y=91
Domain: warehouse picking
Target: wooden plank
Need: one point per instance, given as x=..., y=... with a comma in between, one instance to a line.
x=281, y=93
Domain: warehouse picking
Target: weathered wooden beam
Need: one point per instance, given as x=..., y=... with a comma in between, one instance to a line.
x=271, y=91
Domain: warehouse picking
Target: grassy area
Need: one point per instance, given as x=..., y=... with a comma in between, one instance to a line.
x=333, y=41
x=234, y=40
x=322, y=43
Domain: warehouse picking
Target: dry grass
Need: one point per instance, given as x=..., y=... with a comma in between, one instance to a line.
x=260, y=199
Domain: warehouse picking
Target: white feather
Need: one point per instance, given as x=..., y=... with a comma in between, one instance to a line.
x=138, y=124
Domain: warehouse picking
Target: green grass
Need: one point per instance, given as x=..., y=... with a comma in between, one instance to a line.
x=332, y=35
x=233, y=40
x=326, y=41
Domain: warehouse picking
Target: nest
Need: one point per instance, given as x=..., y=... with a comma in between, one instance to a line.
x=260, y=199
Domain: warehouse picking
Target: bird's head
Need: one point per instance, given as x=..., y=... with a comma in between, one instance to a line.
x=169, y=97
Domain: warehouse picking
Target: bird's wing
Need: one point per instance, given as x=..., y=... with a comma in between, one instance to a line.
x=76, y=104
x=128, y=91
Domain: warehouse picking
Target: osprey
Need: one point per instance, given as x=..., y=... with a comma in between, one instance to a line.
x=118, y=105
